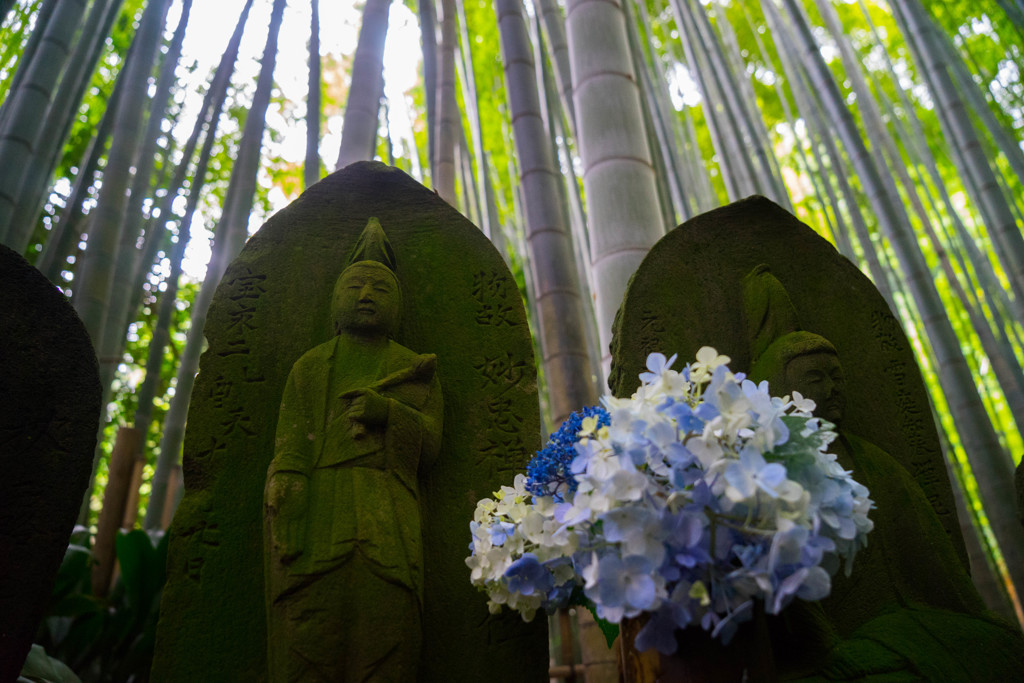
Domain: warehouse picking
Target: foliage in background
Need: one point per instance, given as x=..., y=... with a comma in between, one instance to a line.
x=112, y=638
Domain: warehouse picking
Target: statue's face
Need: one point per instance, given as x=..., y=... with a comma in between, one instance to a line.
x=819, y=376
x=367, y=301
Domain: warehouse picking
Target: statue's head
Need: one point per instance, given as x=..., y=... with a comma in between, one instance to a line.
x=790, y=359
x=808, y=363
x=367, y=298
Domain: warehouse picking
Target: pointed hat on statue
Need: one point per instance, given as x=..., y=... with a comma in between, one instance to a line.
x=773, y=327
x=373, y=245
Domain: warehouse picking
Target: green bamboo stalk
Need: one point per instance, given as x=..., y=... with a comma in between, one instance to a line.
x=66, y=232
x=820, y=180
x=738, y=114
x=311, y=169
x=554, y=29
x=663, y=148
x=720, y=100
x=620, y=188
x=1008, y=375
x=497, y=235
x=468, y=80
x=208, y=117
x=1015, y=13
x=707, y=197
x=445, y=135
x=27, y=55
x=919, y=148
x=688, y=177
x=386, y=122
x=130, y=259
x=573, y=216
x=60, y=117
x=161, y=331
x=428, y=42
x=748, y=100
x=704, y=196
x=362, y=108
x=969, y=152
x=686, y=171
x=229, y=239
x=967, y=87
x=992, y=466
x=96, y=272
x=808, y=106
x=559, y=307
x=470, y=204
x=732, y=163
x=24, y=117
x=96, y=283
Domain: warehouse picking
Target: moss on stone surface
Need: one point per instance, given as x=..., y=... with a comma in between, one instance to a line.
x=273, y=305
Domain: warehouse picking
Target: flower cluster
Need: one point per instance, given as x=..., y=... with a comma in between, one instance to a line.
x=688, y=501
x=550, y=471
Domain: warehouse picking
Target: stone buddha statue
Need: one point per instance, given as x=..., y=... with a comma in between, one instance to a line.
x=908, y=610
x=360, y=420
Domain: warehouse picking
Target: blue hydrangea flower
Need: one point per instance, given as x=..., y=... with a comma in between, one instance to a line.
x=550, y=471
x=501, y=531
x=656, y=364
x=625, y=582
x=692, y=499
x=528, y=576
x=659, y=632
x=684, y=415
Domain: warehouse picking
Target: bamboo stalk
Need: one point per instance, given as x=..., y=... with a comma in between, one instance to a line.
x=359, y=126
x=230, y=237
x=311, y=168
x=444, y=170
x=115, y=495
x=26, y=108
x=991, y=464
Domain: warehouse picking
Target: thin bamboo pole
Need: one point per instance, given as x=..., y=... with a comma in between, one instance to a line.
x=361, y=121
x=311, y=168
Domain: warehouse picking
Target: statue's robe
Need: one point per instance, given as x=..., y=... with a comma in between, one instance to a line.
x=348, y=606
x=909, y=611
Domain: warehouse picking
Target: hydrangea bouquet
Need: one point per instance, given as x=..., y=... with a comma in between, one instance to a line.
x=688, y=501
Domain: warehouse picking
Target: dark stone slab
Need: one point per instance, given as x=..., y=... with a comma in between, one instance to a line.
x=460, y=303
x=49, y=413
x=688, y=293
x=909, y=607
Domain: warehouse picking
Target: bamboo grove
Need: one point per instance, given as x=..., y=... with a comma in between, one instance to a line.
x=574, y=133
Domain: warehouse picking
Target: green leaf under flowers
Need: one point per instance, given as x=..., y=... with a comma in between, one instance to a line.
x=797, y=446
x=610, y=630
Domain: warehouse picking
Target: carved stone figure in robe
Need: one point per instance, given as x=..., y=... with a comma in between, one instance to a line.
x=360, y=420
x=909, y=609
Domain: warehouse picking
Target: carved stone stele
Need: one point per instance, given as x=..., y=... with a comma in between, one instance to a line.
x=460, y=303
x=755, y=283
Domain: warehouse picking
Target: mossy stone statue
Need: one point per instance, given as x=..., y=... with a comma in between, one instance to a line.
x=49, y=413
x=758, y=285
x=344, y=547
x=369, y=377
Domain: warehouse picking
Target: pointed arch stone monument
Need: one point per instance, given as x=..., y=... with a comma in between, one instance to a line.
x=758, y=285
x=459, y=303
x=49, y=414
